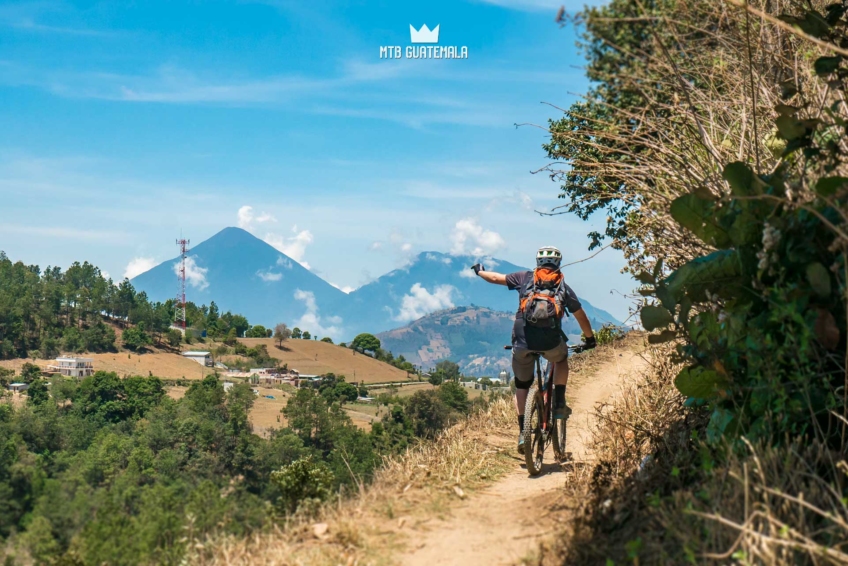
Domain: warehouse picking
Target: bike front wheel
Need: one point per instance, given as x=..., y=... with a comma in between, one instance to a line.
x=534, y=437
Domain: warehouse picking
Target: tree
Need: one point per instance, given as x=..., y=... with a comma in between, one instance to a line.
x=307, y=335
x=366, y=342
x=175, y=337
x=436, y=378
x=454, y=396
x=257, y=331
x=281, y=334
x=231, y=339
x=428, y=413
x=37, y=393
x=30, y=373
x=303, y=483
x=296, y=333
x=449, y=370
x=135, y=338
x=327, y=339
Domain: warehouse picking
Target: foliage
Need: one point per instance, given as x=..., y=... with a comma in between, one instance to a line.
x=297, y=333
x=258, y=331
x=281, y=334
x=37, y=393
x=445, y=370
x=30, y=373
x=742, y=194
x=304, y=483
x=365, y=343
x=175, y=337
x=136, y=338
x=608, y=333
x=427, y=413
x=306, y=335
x=327, y=339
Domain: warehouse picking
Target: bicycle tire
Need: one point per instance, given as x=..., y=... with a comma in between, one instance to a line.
x=534, y=440
x=558, y=431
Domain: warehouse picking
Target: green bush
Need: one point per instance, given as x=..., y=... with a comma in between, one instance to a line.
x=302, y=485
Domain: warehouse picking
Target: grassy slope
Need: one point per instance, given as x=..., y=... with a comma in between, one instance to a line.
x=309, y=357
x=315, y=358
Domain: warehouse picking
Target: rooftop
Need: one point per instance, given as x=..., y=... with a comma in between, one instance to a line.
x=196, y=354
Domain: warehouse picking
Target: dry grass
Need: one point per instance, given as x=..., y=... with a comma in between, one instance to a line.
x=314, y=357
x=657, y=496
x=368, y=527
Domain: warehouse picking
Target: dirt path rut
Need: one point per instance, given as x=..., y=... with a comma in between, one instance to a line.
x=502, y=523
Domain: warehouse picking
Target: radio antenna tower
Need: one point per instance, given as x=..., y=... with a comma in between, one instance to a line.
x=180, y=307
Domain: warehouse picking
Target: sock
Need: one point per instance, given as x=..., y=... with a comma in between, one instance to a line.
x=520, y=422
x=559, y=395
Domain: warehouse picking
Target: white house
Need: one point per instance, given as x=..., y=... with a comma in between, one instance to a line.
x=18, y=387
x=74, y=367
x=203, y=358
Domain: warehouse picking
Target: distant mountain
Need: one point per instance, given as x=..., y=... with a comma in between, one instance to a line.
x=438, y=280
x=244, y=274
x=473, y=337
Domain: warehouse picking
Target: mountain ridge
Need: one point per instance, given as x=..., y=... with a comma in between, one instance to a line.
x=244, y=274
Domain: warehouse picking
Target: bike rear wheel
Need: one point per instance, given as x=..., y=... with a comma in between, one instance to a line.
x=558, y=432
x=534, y=437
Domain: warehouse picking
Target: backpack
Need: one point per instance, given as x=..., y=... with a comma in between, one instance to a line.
x=542, y=310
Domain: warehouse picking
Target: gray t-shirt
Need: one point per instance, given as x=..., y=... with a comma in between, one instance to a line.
x=521, y=281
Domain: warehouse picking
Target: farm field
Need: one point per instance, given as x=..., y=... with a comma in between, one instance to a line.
x=313, y=357
x=161, y=364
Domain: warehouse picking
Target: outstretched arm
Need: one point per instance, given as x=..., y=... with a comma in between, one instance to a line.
x=584, y=323
x=490, y=276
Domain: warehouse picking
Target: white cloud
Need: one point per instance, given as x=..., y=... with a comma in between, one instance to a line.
x=269, y=276
x=293, y=246
x=347, y=289
x=312, y=320
x=375, y=246
x=420, y=302
x=246, y=218
x=283, y=261
x=406, y=247
x=468, y=237
x=467, y=273
x=195, y=275
x=139, y=265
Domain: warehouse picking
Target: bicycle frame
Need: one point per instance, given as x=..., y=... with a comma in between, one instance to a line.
x=545, y=383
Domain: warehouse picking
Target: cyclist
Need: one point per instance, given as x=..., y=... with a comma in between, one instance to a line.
x=543, y=299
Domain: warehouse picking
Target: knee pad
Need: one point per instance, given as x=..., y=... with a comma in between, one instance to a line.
x=523, y=384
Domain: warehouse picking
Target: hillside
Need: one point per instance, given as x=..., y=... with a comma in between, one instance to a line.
x=314, y=357
x=161, y=364
x=473, y=337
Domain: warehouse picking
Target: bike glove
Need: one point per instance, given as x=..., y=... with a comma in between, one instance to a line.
x=478, y=267
x=589, y=343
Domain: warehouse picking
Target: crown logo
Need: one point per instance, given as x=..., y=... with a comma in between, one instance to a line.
x=424, y=35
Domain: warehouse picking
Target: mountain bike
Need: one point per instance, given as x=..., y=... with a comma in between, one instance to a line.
x=540, y=428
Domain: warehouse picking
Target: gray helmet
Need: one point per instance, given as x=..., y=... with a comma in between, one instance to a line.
x=548, y=255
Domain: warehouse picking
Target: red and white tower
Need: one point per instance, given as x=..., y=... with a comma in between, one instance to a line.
x=180, y=306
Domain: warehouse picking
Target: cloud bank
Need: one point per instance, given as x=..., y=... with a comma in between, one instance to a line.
x=420, y=302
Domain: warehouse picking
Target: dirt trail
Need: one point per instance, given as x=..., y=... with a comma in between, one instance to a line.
x=502, y=523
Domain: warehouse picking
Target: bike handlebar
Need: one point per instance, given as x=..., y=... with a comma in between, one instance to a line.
x=578, y=348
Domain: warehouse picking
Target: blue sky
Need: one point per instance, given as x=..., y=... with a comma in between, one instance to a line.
x=127, y=123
